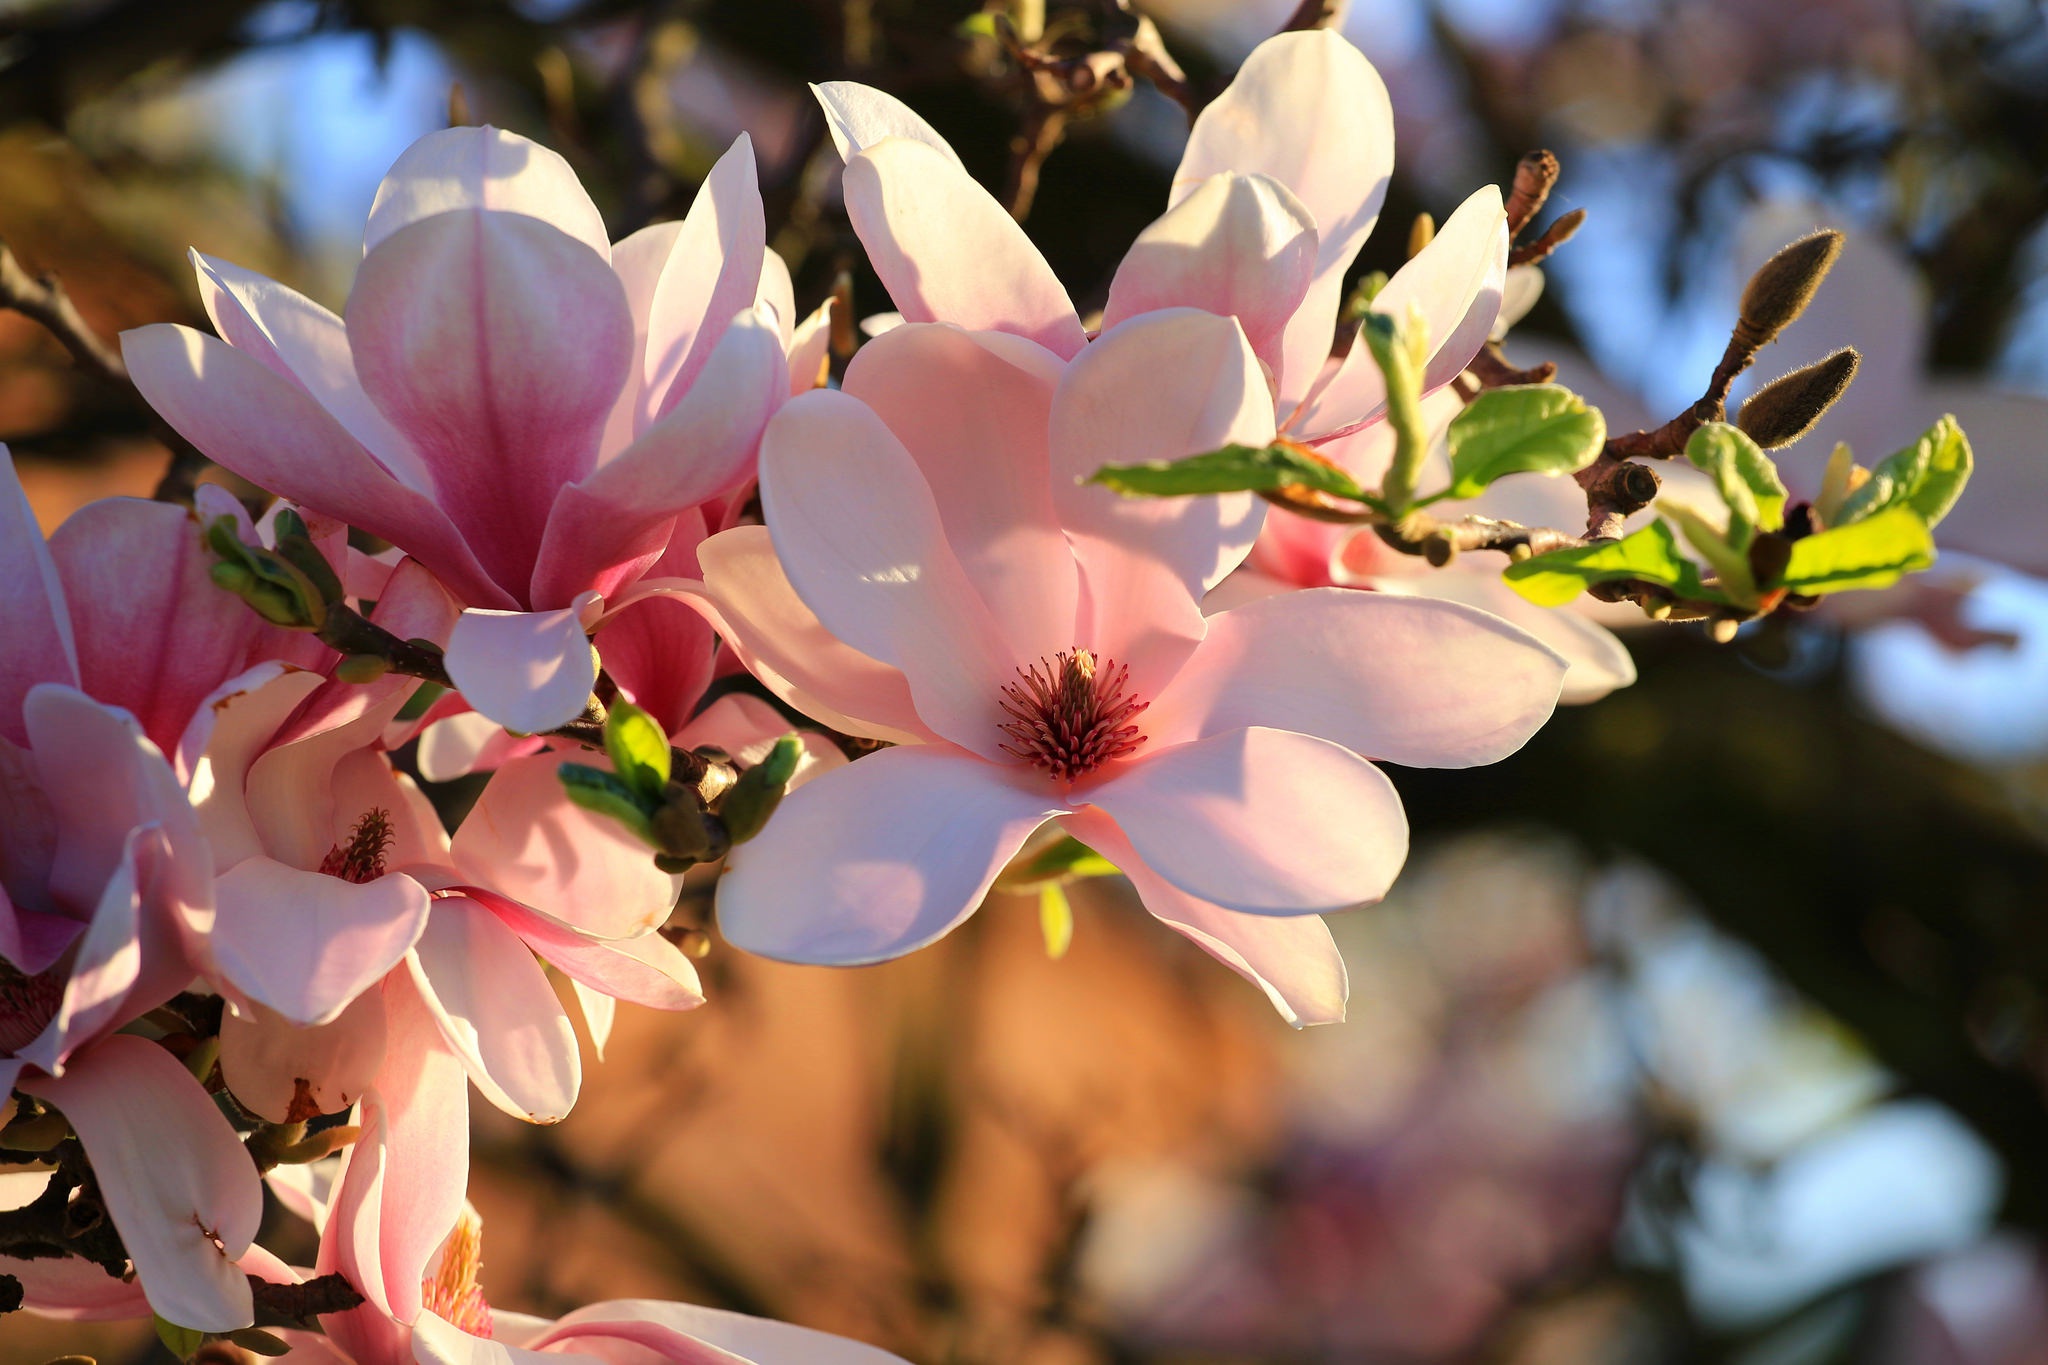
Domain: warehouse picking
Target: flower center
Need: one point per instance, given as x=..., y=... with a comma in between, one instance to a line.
x=27, y=1005
x=450, y=1290
x=361, y=859
x=1070, y=715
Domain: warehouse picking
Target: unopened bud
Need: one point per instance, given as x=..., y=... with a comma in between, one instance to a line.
x=1781, y=289
x=759, y=791
x=1420, y=234
x=302, y=554
x=682, y=830
x=1785, y=409
x=1769, y=554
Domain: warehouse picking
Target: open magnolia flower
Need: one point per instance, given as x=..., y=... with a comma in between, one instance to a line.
x=1281, y=183
x=933, y=573
x=105, y=879
x=528, y=411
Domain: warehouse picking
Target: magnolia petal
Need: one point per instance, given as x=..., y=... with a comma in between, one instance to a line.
x=526, y=839
x=1309, y=111
x=974, y=416
x=1292, y=958
x=599, y=1011
x=104, y=986
x=748, y=728
x=287, y=1073
x=855, y=527
x=810, y=353
x=497, y=344
x=1262, y=821
x=1596, y=661
x=647, y=970
x=483, y=168
x=497, y=1011
x=879, y=858
x=530, y=671
x=1422, y=683
x=858, y=116
x=466, y=743
x=948, y=252
x=33, y=618
x=660, y=653
x=1238, y=246
x=244, y=417
x=72, y=1290
x=1456, y=283
x=304, y=943
x=175, y=1178
x=711, y=275
x=732, y=1335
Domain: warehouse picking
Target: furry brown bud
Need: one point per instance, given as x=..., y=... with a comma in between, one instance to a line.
x=1781, y=289
x=1785, y=409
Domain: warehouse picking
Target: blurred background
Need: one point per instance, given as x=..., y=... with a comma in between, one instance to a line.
x=1712, y=1027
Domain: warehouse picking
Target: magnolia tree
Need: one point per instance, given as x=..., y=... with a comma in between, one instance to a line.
x=1007, y=597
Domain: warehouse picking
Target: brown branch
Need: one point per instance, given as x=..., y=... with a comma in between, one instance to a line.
x=1490, y=367
x=42, y=298
x=1560, y=231
x=1044, y=127
x=1616, y=489
x=1311, y=14
x=1440, y=542
x=298, y=1305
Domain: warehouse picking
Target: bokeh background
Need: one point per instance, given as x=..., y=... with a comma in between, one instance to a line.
x=1711, y=1027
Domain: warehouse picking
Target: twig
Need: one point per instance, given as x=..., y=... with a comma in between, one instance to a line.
x=1440, y=542
x=1490, y=367
x=1311, y=14
x=1560, y=231
x=1535, y=174
x=1043, y=128
x=42, y=298
x=298, y=1305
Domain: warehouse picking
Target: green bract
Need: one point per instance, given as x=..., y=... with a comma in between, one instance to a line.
x=638, y=749
x=607, y=794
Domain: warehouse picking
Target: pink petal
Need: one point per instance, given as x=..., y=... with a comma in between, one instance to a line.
x=1456, y=282
x=1422, y=683
x=747, y=1338
x=700, y=448
x=278, y=1070
x=469, y=743
x=496, y=1009
x=525, y=839
x=106, y=985
x=497, y=344
x=1261, y=821
x=948, y=252
x=293, y=794
x=1160, y=387
x=1308, y=110
x=856, y=529
x=530, y=671
x=747, y=728
x=711, y=275
x=974, y=418
x=71, y=1290
x=878, y=858
x=749, y=601
x=810, y=353
x=1238, y=246
x=659, y=652
x=33, y=618
x=154, y=635
x=402, y=1182
x=1596, y=662
x=438, y=1342
x=174, y=1176
x=273, y=434
x=1292, y=958
x=775, y=295
x=859, y=116
x=647, y=969
x=305, y=944
x=483, y=168
x=298, y=340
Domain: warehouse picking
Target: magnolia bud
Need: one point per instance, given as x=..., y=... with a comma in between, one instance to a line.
x=1420, y=234
x=681, y=830
x=362, y=668
x=759, y=790
x=1785, y=409
x=1781, y=289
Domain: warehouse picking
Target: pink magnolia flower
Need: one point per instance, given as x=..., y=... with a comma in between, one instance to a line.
x=1280, y=184
x=525, y=409
x=335, y=877
x=105, y=878
x=933, y=573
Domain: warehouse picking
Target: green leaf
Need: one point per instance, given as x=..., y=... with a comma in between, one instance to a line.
x=1927, y=476
x=760, y=790
x=1650, y=554
x=1873, y=553
x=179, y=1341
x=609, y=795
x=1233, y=469
x=1066, y=857
x=1747, y=480
x=1530, y=428
x=262, y=1343
x=1055, y=920
x=1731, y=566
x=638, y=748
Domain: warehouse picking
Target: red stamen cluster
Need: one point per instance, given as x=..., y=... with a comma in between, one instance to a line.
x=27, y=1005
x=361, y=859
x=1069, y=716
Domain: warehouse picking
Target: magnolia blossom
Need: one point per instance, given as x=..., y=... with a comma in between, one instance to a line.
x=933, y=573
x=533, y=414
x=1281, y=183
x=105, y=879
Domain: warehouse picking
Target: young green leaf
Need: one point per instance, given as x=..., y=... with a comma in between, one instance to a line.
x=1529, y=428
x=1747, y=480
x=638, y=748
x=1233, y=469
x=1872, y=553
x=1055, y=919
x=760, y=790
x=1651, y=554
x=1731, y=566
x=1067, y=857
x=1926, y=476
x=609, y=795
x=181, y=1342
